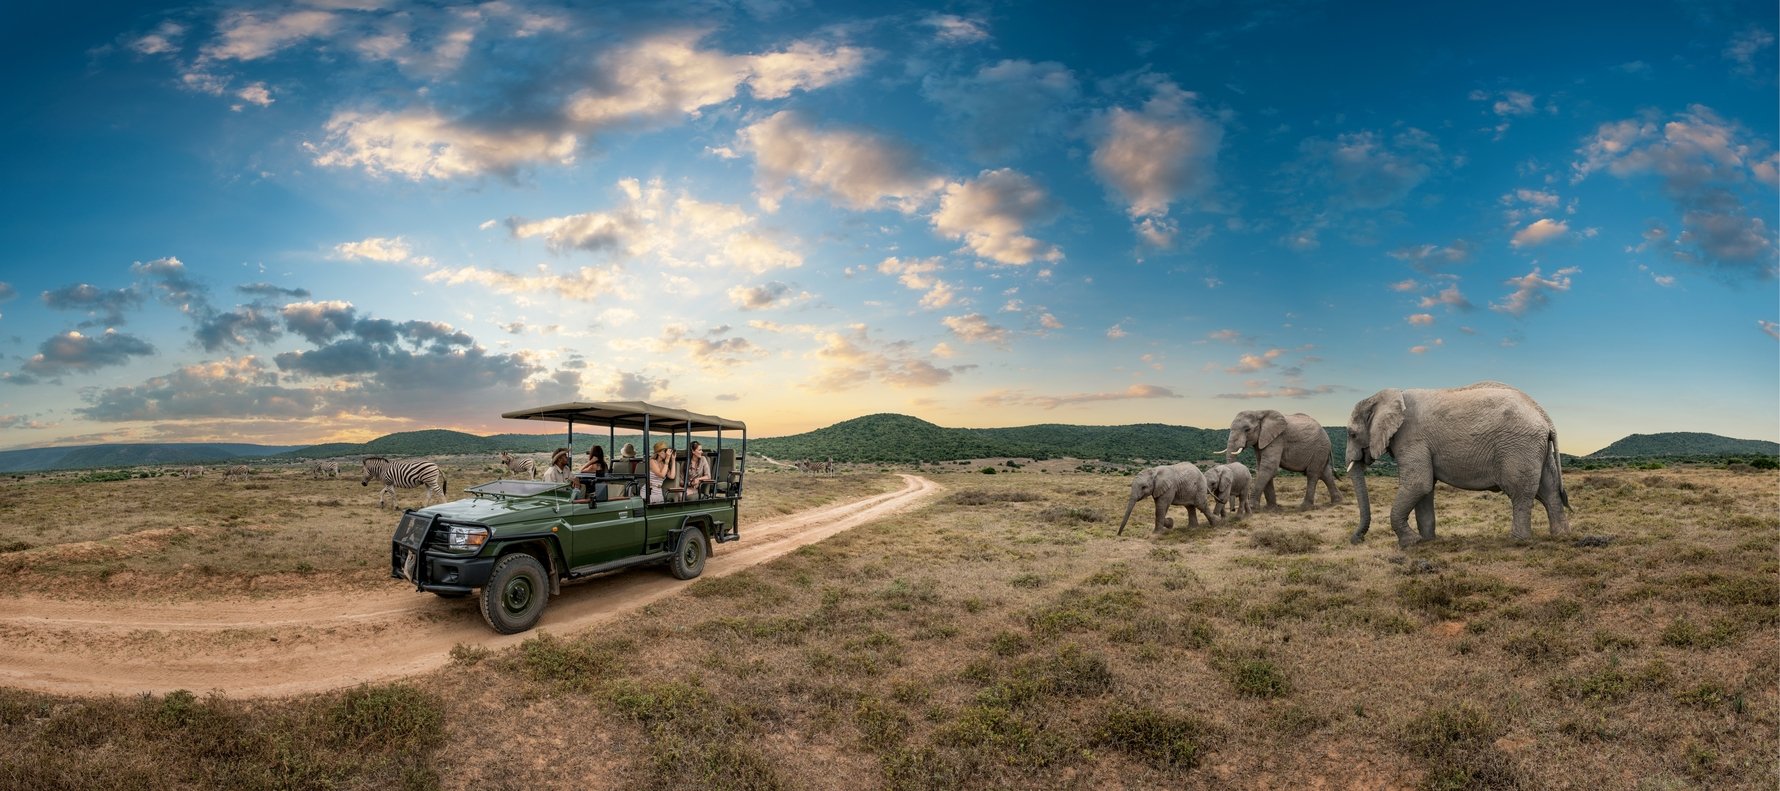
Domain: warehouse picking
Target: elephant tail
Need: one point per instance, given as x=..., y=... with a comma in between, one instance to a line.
x=1557, y=468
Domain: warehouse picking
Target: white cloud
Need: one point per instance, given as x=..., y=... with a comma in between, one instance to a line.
x=1533, y=291
x=1449, y=296
x=255, y=94
x=249, y=35
x=1430, y=258
x=162, y=40
x=975, y=328
x=1007, y=398
x=1745, y=45
x=387, y=250
x=652, y=82
x=1283, y=392
x=860, y=169
x=586, y=284
x=1421, y=319
x=1704, y=164
x=954, y=29
x=853, y=358
x=1405, y=285
x=421, y=143
x=1116, y=331
x=991, y=214
x=1539, y=232
x=1049, y=322
x=1769, y=327
x=1249, y=363
x=918, y=275
x=1160, y=155
x=762, y=297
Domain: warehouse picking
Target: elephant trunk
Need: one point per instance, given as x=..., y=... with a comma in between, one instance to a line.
x=1358, y=472
x=1128, y=506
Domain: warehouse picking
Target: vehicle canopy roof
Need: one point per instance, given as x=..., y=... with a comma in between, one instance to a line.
x=627, y=414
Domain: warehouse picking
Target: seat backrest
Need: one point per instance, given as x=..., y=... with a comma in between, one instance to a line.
x=725, y=464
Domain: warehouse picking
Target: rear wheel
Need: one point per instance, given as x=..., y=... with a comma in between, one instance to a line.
x=689, y=555
x=515, y=594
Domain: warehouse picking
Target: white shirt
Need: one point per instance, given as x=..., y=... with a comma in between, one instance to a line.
x=555, y=474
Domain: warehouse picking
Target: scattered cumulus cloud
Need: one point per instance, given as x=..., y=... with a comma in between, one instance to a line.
x=1532, y=291
x=975, y=328
x=1539, y=232
x=954, y=29
x=1421, y=319
x=991, y=214
x=392, y=250
x=1161, y=154
x=860, y=169
x=74, y=352
x=1745, y=46
x=1771, y=328
x=1288, y=391
x=1250, y=363
x=106, y=307
x=1433, y=258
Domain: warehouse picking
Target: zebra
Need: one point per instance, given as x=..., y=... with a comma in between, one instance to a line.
x=328, y=469
x=404, y=475
x=192, y=472
x=518, y=464
x=237, y=471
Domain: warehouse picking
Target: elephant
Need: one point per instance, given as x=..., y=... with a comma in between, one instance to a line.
x=1174, y=484
x=1292, y=442
x=1229, y=483
x=1486, y=436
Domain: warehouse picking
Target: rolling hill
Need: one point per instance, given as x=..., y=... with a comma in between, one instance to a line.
x=126, y=455
x=1685, y=443
x=900, y=438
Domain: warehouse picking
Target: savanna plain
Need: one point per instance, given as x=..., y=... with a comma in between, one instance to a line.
x=996, y=635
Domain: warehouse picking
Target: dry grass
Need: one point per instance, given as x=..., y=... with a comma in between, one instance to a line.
x=988, y=646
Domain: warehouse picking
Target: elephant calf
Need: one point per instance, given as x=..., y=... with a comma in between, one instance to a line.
x=1481, y=437
x=1175, y=484
x=1229, y=485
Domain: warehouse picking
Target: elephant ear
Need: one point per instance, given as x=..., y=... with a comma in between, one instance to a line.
x=1387, y=417
x=1273, y=424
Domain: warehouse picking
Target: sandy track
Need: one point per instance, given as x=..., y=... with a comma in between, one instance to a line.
x=326, y=641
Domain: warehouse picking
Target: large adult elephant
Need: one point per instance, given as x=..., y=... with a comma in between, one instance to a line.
x=1482, y=437
x=1174, y=484
x=1290, y=442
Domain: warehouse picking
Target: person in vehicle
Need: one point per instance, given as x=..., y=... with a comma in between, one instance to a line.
x=596, y=465
x=558, y=471
x=661, y=470
x=698, y=467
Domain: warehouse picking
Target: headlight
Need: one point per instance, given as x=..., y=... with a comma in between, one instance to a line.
x=468, y=537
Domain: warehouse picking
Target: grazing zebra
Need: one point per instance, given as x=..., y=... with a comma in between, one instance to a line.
x=404, y=475
x=329, y=469
x=236, y=471
x=192, y=472
x=519, y=464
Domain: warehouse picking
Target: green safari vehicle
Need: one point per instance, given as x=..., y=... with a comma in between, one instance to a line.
x=517, y=541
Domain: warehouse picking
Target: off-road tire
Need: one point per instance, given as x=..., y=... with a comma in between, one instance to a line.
x=689, y=554
x=515, y=595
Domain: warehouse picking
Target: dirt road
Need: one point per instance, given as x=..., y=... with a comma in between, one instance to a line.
x=326, y=641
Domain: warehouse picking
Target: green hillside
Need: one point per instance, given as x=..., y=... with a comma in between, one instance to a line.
x=1685, y=443
x=900, y=438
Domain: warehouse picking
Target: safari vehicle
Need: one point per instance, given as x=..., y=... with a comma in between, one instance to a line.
x=517, y=541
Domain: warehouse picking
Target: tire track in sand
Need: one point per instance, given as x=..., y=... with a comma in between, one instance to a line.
x=269, y=648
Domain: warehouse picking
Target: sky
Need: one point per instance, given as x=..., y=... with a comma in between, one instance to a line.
x=298, y=222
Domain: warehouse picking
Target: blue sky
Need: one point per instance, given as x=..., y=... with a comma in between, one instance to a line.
x=296, y=222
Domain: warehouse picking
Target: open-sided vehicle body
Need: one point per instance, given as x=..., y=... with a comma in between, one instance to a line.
x=517, y=541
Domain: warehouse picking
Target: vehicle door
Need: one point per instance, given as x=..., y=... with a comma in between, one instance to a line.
x=603, y=532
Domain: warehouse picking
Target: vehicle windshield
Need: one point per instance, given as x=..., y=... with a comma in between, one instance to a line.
x=506, y=488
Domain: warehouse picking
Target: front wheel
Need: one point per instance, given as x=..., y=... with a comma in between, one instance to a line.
x=689, y=555
x=515, y=594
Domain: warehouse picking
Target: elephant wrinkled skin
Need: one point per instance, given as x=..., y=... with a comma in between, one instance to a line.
x=1229, y=486
x=1482, y=437
x=1284, y=442
x=1175, y=484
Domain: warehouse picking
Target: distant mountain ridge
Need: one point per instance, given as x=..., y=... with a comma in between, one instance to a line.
x=883, y=437
x=1685, y=443
x=126, y=455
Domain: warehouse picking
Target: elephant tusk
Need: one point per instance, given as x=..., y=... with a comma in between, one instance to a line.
x=1351, y=463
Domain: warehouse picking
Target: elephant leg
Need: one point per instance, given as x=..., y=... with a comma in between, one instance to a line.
x=1329, y=481
x=1309, y=492
x=1162, y=520
x=1554, y=506
x=1266, y=466
x=1424, y=516
x=1523, y=517
x=1409, y=493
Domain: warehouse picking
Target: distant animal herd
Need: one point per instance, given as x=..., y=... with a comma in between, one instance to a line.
x=1486, y=436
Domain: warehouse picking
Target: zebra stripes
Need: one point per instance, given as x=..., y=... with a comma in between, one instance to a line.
x=237, y=471
x=325, y=469
x=404, y=475
x=519, y=464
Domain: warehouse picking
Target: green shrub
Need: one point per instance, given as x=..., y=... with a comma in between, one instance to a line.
x=1170, y=742
x=395, y=718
